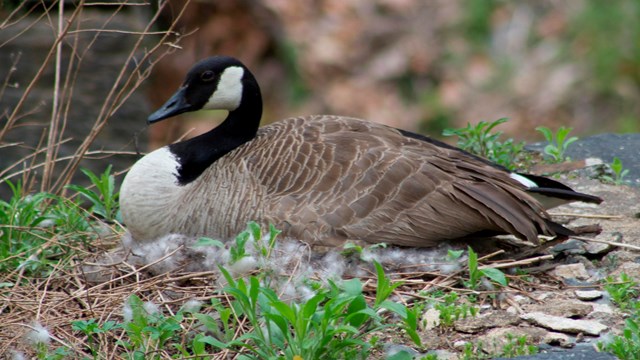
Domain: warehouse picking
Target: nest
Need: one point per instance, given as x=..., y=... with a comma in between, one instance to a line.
x=97, y=287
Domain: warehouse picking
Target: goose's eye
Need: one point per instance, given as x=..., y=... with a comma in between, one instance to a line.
x=207, y=76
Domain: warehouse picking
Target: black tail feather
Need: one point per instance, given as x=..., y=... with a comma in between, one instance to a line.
x=556, y=189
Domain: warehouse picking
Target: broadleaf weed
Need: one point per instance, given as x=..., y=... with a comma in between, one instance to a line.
x=480, y=140
x=619, y=172
x=558, y=143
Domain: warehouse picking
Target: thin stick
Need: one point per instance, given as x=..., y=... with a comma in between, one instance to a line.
x=16, y=109
x=55, y=113
x=517, y=263
x=612, y=243
x=488, y=256
x=589, y=216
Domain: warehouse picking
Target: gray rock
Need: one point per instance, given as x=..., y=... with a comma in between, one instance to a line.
x=606, y=147
x=562, y=308
x=602, y=308
x=460, y=344
x=431, y=319
x=595, y=248
x=565, y=325
x=588, y=295
x=444, y=355
x=476, y=324
x=569, y=247
x=494, y=340
x=571, y=271
x=560, y=339
x=575, y=354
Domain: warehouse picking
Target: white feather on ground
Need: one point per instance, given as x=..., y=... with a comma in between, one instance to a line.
x=288, y=267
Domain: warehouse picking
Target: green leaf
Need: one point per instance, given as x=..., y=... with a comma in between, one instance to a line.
x=394, y=307
x=384, y=286
x=255, y=231
x=352, y=286
x=400, y=355
x=495, y=275
x=356, y=312
x=213, y=342
x=546, y=132
x=205, y=241
x=454, y=254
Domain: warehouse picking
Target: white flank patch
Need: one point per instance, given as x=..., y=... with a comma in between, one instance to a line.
x=229, y=92
x=523, y=180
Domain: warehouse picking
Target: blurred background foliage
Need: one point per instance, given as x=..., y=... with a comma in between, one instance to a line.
x=419, y=65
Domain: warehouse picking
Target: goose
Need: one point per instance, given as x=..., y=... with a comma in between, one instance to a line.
x=323, y=179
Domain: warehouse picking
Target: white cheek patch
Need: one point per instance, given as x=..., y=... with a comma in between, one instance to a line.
x=229, y=92
x=523, y=180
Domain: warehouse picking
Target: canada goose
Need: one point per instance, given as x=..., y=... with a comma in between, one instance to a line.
x=321, y=179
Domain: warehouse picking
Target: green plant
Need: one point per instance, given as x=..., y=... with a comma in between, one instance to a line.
x=265, y=244
x=619, y=172
x=331, y=324
x=384, y=286
x=450, y=310
x=429, y=357
x=476, y=274
x=147, y=333
x=517, y=346
x=480, y=140
x=454, y=255
x=622, y=291
x=238, y=250
x=558, y=143
x=514, y=346
x=30, y=221
x=104, y=202
x=473, y=351
x=222, y=327
x=91, y=329
x=626, y=346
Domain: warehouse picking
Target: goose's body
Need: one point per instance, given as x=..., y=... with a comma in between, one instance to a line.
x=321, y=179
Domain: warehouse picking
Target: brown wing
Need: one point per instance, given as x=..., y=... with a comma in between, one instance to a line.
x=329, y=179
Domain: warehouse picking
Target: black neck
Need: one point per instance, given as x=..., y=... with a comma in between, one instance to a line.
x=241, y=125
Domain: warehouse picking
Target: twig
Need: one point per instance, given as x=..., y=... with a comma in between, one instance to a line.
x=52, y=149
x=517, y=263
x=612, y=243
x=488, y=256
x=122, y=32
x=13, y=117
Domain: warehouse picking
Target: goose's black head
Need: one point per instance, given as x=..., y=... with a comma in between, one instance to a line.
x=215, y=83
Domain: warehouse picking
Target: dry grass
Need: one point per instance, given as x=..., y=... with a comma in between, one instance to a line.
x=43, y=169
x=70, y=294
x=62, y=296
x=65, y=296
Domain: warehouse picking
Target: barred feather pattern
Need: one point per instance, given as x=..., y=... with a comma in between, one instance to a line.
x=328, y=179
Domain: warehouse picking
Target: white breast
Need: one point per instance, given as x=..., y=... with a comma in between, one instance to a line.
x=148, y=193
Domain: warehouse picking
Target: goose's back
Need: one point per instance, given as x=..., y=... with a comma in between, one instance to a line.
x=328, y=179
